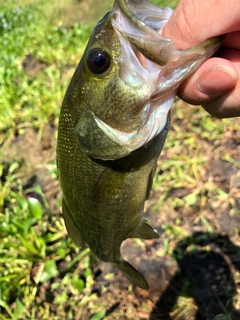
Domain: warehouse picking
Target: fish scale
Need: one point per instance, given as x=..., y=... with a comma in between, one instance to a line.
x=113, y=124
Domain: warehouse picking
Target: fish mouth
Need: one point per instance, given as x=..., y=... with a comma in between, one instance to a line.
x=143, y=53
x=140, y=22
x=138, y=25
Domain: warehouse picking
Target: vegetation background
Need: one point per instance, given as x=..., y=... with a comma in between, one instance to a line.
x=193, y=269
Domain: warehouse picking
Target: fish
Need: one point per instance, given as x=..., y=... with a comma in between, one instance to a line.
x=113, y=124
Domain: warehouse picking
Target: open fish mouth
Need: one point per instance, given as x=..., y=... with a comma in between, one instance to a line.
x=138, y=24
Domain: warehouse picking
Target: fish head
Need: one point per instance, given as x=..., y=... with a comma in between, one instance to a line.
x=120, y=103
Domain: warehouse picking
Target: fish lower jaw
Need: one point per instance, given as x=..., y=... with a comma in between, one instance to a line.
x=156, y=121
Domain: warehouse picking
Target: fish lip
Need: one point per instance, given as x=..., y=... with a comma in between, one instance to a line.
x=122, y=23
x=140, y=23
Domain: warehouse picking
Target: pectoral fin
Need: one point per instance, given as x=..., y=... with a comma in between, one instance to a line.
x=131, y=273
x=71, y=226
x=150, y=181
x=108, y=184
x=144, y=231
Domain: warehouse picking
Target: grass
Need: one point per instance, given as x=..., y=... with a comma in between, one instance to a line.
x=32, y=99
x=33, y=238
x=42, y=274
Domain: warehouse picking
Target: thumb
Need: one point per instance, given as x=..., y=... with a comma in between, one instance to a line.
x=215, y=77
x=196, y=21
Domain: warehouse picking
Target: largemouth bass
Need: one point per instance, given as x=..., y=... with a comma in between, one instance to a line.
x=113, y=124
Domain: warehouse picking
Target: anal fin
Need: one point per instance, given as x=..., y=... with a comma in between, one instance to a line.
x=144, y=231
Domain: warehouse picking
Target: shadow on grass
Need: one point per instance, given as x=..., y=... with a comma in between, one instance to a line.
x=206, y=263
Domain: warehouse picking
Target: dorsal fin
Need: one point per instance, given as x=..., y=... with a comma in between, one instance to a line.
x=72, y=228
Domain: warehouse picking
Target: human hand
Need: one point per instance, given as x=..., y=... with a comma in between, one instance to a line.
x=216, y=84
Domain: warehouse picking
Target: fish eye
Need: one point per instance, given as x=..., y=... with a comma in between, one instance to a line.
x=98, y=61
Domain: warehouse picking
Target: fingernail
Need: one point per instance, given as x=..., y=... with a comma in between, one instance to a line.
x=216, y=80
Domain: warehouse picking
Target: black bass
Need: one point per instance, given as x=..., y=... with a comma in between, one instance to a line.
x=113, y=124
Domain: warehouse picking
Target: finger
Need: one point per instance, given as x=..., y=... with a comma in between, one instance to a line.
x=232, y=40
x=215, y=77
x=196, y=21
x=226, y=105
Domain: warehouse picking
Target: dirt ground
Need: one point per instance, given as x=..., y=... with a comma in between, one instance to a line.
x=208, y=277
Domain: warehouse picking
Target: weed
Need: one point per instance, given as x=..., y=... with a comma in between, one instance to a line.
x=42, y=274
